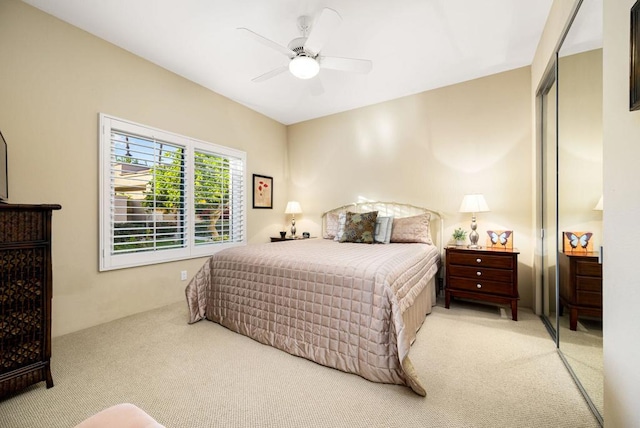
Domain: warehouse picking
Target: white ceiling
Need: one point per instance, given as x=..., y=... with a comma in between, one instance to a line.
x=415, y=45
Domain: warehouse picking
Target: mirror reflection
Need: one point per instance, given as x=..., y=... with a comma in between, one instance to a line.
x=579, y=82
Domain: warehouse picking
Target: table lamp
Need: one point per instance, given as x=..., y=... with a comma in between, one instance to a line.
x=473, y=204
x=293, y=208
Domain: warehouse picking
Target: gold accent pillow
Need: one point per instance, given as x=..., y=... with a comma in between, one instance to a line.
x=412, y=229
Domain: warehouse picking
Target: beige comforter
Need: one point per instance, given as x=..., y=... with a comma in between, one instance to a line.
x=338, y=304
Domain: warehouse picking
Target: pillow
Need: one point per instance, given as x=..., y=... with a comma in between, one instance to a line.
x=359, y=227
x=412, y=229
x=382, y=233
x=331, y=226
x=342, y=218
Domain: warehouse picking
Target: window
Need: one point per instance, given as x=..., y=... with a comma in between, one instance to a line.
x=165, y=197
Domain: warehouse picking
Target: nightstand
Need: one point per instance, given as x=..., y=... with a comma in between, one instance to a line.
x=278, y=239
x=288, y=238
x=580, y=285
x=485, y=274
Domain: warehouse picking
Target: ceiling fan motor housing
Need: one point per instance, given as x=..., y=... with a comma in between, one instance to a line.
x=297, y=45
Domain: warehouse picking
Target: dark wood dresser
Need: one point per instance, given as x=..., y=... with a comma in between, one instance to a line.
x=485, y=274
x=25, y=296
x=580, y=285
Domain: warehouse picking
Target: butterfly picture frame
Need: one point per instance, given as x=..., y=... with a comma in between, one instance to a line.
x=573, y=242
x=500, y=239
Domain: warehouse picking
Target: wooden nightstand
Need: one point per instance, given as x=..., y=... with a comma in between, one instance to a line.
x=484, y=274
x=288, y=238
x=580, y=285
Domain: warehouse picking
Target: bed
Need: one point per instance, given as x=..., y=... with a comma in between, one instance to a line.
x=347, y=305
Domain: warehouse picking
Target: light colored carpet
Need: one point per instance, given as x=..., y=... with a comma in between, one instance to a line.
x=481, y=370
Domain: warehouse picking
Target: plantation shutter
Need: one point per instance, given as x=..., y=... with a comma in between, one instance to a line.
x=218, y=195
x=147, y=194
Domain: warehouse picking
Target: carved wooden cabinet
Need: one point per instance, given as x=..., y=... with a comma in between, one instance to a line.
x=25, y=296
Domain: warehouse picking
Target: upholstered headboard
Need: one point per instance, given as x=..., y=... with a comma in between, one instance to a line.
x=396, y=210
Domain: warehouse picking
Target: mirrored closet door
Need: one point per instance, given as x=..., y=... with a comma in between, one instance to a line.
x=570, y=207
x=579, y=85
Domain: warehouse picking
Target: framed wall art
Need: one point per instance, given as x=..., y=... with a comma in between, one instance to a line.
x=262, y=191
x=634, y=59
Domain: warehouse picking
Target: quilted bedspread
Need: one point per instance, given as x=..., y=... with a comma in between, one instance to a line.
x=338, y=304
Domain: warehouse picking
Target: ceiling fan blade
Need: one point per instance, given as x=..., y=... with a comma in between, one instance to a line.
x=270, y=74
x=315, y=86
x=270, y=43
x=328, y=21
x=346, y=64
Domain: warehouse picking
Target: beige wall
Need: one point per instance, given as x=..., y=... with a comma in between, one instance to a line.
x=54, y=80
x=429, y=150
x=621, y=131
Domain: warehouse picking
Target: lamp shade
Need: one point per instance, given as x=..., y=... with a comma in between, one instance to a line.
x=599, y=206
x=304, y=67
x=474, y=204
x=293, y=207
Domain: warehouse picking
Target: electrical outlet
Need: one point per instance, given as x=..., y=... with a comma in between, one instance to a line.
x=183, y=275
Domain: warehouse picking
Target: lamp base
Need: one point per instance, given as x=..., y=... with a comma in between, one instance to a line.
x=473, y=236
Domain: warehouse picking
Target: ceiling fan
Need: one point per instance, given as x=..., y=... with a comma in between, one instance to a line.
x=305, y=60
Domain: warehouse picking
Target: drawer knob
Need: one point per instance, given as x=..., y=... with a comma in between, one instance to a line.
x=479, y=260
x=479, y=285
x=479, y=273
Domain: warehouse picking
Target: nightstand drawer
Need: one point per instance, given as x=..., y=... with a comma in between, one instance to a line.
x=478, y=273
x=588, y=268
x=589, y=283
x=481, y=286
x=477, y=259
x=587, y=298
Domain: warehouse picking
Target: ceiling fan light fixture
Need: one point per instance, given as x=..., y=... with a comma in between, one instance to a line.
x=304, y=67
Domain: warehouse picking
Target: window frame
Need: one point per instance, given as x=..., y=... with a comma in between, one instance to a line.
x=110, y=261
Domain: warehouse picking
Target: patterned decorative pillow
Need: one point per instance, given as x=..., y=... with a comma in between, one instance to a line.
x=342, y=218
x=412, y=229
x=331, y=226
x=360, y=227
x=383, y=230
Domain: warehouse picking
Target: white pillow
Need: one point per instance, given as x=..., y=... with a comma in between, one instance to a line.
x=342, y=219
x=331, y=226
x=382, y=233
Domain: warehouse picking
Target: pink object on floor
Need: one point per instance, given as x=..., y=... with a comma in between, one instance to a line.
x=123, y=415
